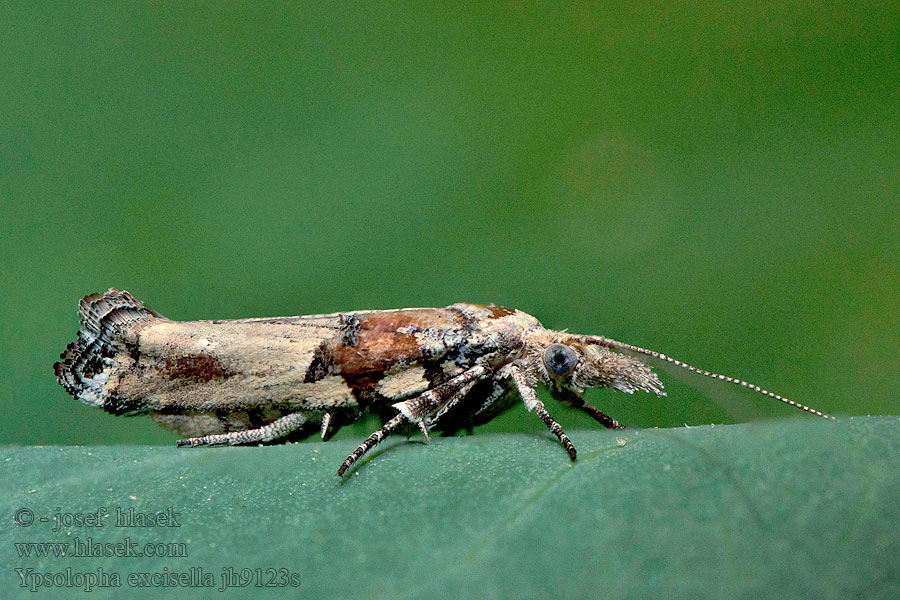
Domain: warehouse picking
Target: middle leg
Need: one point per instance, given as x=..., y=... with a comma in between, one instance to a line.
x=422, y=410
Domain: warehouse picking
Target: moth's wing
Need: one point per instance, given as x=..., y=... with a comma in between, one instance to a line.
x=190, y=367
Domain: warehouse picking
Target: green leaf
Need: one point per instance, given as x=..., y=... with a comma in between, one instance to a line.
x=791, y=508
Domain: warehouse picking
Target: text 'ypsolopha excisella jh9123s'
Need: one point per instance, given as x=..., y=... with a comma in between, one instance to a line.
x=247, y=381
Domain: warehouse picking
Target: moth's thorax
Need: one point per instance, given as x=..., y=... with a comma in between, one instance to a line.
x=493, y=329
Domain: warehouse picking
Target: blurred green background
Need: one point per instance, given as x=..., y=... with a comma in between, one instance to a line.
x=718, y=182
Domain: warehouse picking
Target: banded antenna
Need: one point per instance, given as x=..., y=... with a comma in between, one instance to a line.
x=599, y=340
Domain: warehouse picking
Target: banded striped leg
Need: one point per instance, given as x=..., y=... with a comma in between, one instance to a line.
x=422, y=410
x=532, y=403
x=432, y=404
x=370, y=442
x=572, y=399
x=323, y=427
x=274, y=430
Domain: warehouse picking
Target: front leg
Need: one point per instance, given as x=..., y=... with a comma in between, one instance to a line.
x=574, y=400
x=525, y=387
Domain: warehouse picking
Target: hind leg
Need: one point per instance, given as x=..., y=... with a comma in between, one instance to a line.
x=274, y=430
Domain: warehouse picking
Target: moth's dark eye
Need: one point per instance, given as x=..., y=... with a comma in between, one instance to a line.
x=560, y=359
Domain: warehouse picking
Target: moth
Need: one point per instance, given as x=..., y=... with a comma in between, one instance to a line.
x=248, y=381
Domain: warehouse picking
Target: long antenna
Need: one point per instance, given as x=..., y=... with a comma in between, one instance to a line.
x=613, y=344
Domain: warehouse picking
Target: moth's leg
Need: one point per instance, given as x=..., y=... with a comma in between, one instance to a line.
x=371, y=441
x=419, y=410
x=484, y=413
x=497, y=392
x=572, y=399
x=274, y=430
x=429, y=406
x=333, y=421
x=326, y=421
x=533, y=403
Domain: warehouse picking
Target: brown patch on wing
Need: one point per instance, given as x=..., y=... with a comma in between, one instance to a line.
x=499, y=311
x=476, y=312
x=194, y=367
x=386, y=339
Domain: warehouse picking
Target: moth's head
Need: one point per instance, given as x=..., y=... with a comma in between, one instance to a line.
x=573, y=362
